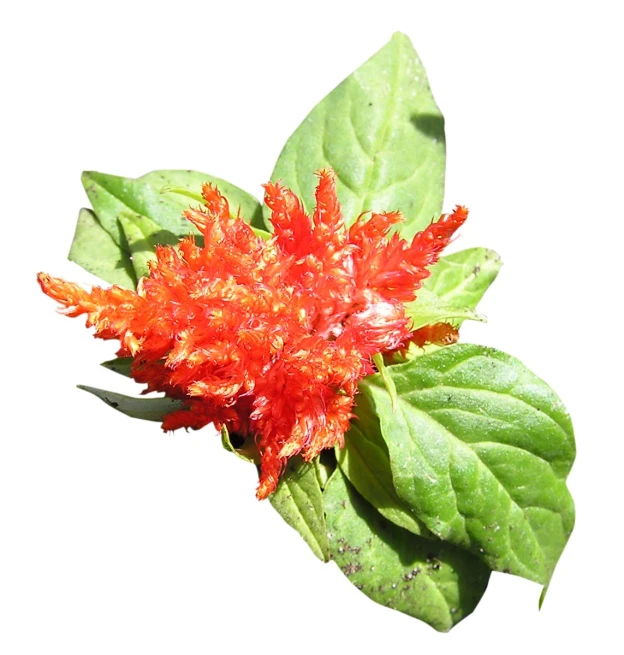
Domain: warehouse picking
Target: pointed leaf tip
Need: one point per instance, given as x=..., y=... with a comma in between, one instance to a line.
x=148, y=409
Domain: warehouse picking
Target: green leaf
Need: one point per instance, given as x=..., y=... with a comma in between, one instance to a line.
x=148, y=409
x=428, y=308
x=382, y=133
x=325, y=464
x=121, y=365
x=299, y=500
x=364, y=460
x=429, y=580
x=94, y=249
x=462, y=278
x=112, y=196
x=479, y=450
x=142, y=236
x=245, y=451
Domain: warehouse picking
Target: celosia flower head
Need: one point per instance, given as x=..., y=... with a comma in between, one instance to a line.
x=269, y=338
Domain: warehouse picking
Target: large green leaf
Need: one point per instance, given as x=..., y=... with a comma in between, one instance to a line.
x=479, y=449
x=299, y=500
x=430, y=580
x=94, y=249
x=461, y=279
x=151, y=197
x=382, y=133
x=148, y=409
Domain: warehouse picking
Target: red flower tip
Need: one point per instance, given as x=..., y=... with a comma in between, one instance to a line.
x=269, y=338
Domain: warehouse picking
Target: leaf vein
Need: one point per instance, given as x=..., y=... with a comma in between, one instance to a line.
x=533, y=410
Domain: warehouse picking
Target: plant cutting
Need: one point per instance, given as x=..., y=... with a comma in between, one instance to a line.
x=319, y=334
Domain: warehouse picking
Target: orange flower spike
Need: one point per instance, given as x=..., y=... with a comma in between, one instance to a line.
x=327, y=219
x=427, y=245
x=111, y=311
x=292, y=226
x=269, y=338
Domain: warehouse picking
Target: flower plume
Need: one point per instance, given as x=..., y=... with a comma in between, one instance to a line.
x=269, y=338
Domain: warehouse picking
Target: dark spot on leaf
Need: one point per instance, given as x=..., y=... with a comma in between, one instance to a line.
x=110, y=402
x=350, y=568
x=476, y=270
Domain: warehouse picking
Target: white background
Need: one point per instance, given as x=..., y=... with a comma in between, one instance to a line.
x=117, y=538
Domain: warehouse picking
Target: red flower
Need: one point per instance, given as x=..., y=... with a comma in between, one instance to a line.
x=269, y=338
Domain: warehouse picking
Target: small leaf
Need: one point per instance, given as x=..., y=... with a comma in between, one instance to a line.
x=325, y=465
x=112, y=196
x=246, y=453
x=142, y=236
x=479, y=449
x=299, y=501
x=94, y=249
x=462, y=278
x=121, y=365
x=429, y=580
x=382, y=133
x=428, y=308
x=148, y=409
